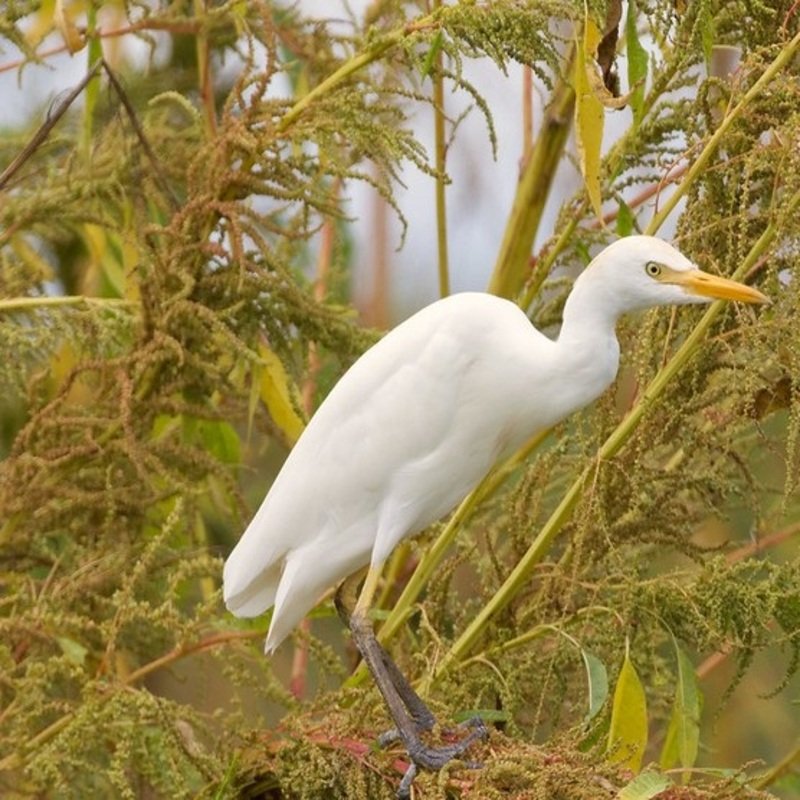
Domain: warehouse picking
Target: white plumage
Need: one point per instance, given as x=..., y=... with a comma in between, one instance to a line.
x=423, y=415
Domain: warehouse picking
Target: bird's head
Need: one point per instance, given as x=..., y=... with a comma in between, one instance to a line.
x=642, y=271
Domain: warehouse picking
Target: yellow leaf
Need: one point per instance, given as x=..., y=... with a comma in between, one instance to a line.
x=589, y=115
x=40, y=24
x=601, y=91
x=627, y=734
x=73, y=38
x=110, y=261
x=279, y=394
x=35, y=263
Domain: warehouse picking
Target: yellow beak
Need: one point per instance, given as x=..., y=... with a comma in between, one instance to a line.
x=698, y=282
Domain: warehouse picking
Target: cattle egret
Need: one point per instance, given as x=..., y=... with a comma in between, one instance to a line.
x=416, y=423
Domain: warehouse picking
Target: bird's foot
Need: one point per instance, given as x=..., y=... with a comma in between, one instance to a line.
x=434, y=758
x=422, y=724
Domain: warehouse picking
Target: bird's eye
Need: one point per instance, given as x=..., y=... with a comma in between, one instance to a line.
x=652, y=269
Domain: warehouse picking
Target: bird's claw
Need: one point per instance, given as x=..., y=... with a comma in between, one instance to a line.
x=393, y=735
x=434, y=758
x=388, y=738
x=473, y=722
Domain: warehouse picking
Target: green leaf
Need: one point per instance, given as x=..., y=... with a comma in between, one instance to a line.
x=637, y=64
x=165, y=425
x=627, y=734
x=436, y=46
x=589, y=115
x=705, y=21
x=73, y=650
x=597, y=681
x=625, y=219
x=683, y=734
x=218, y=437
x=644, y=786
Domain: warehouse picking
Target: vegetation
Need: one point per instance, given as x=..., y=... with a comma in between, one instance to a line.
x=164, y=335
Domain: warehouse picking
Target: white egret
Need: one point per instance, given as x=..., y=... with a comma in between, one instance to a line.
x=416, y=423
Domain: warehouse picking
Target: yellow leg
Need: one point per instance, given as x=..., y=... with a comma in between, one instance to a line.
x=368, y=590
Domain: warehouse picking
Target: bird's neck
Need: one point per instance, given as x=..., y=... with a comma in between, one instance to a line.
x=587, y=347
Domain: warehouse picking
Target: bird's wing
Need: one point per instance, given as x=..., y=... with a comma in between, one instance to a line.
x=399, y=440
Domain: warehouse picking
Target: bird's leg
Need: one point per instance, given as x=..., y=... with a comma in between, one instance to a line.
x=408, y=730
x=420, y=713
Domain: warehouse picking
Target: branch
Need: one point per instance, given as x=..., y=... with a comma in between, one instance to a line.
x=44, y=129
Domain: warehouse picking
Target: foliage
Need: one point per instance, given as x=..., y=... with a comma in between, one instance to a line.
x=159, y=322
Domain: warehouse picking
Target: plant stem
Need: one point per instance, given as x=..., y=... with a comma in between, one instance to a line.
x=95, y=54
x=204, y=70
x=441, y=175
x=350, y=67
x=25, y=303
x=780, y=769
x=43, y=131
x=763, y=543
x=533, y=189
x=527, y=113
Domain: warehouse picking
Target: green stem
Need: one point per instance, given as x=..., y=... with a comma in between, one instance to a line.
x=25, y=303
x=204, y=69
x=545, y=263
x=351, y=66
x=441, y=157
x=619, y=437
x=780, y=769
x=533, y=189
x=94, y=54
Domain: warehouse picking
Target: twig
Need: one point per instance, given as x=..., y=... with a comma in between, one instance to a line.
x=715, y=660
x=134, y=120
x=527, y=114
x=183, y=650
x=640, y=199
x=148, y=24
x=763, y=543
x=52, y=120
x=204, y=71
x=44, y=129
